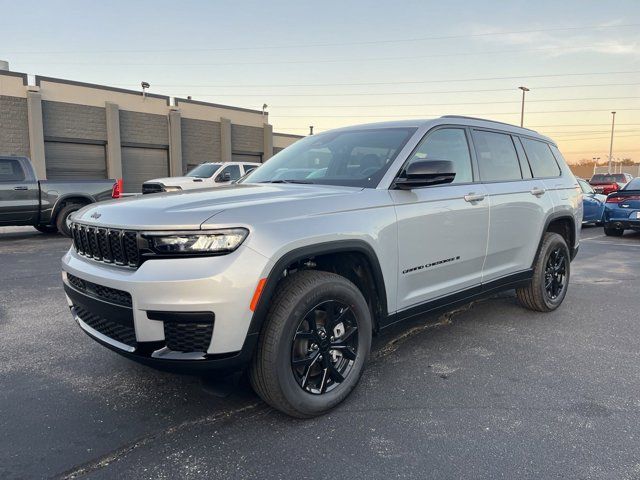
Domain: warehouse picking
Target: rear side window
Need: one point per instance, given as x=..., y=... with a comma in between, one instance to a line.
x=497, y=157
x=543, y=164
x=447, y=144
x=11, y=171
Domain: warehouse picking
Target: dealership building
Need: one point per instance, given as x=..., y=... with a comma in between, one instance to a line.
x=75, y=130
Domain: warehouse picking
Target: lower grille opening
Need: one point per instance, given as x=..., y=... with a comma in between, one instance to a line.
x=118, y=331
x=188, y=337
x=100, y=291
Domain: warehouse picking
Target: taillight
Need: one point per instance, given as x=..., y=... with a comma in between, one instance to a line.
x=615, y=199
x=116, y=191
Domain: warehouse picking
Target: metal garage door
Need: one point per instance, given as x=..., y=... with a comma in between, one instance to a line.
x=75, y=161
x=142, y=164
x=246, y=157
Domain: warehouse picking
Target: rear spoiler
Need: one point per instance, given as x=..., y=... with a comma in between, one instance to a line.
x=622, y=194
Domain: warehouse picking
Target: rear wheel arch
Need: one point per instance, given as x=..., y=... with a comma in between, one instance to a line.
x=66, y=200
x=338, y=257
x=562, y=224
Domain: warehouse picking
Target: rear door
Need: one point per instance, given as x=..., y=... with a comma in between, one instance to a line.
x=442, y=230
x=519, y=203
x=19, y=194
x=592, y=206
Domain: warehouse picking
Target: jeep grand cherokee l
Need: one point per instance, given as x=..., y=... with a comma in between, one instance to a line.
x=291, y=271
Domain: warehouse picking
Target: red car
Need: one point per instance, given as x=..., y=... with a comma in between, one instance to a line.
x=606, y=183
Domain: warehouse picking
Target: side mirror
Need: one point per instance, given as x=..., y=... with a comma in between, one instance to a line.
x=424, y=173
x=224, y=177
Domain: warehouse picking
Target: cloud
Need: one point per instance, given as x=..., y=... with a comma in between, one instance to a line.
x=558, y=43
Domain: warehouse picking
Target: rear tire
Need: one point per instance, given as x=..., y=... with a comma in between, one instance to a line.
x=550, y=281
x=295, y=370
x=613, y=232
x=48, y=229
x=63, y=215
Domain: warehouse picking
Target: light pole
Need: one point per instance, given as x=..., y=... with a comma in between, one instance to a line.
x=524, y=90
x=613, y=123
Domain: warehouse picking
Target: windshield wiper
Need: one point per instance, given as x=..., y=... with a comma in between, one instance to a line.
x=306, y=182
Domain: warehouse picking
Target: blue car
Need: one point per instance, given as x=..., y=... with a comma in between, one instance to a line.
x=622, y=211
x=593, y=204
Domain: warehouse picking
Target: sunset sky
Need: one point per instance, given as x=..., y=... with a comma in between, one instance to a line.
x=335, y=63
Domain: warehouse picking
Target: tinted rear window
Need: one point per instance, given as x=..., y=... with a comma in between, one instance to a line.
x=542, y=161
x=497, y=156
x=633, y=184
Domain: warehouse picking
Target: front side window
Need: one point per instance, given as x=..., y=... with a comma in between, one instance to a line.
x=352, y=158
x=447, y=144
x=497, y=157
x=543, y=164
x=11, y=171
x=206, y=170
x=232, y=170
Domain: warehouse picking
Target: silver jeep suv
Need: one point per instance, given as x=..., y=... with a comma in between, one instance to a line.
x=291, y=271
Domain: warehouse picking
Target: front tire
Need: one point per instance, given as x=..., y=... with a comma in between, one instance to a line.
x=63, y=215
x=48, y=229
x=548, y=287
x=314, y=344
x=613, y=232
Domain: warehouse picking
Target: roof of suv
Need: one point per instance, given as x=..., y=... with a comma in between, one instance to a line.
x=458, y=119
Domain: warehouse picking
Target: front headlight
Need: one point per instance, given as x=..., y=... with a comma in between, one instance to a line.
x=212, y=241
x=172, y=189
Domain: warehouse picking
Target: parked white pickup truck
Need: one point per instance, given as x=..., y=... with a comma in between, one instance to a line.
x=205, y=175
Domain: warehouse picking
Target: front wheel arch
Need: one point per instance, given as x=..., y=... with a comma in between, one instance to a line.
x=303, y=254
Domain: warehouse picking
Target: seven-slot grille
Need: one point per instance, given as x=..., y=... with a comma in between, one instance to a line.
x=106, y=244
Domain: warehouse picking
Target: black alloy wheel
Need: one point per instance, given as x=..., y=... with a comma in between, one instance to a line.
x=324, y=347
x=555, y=273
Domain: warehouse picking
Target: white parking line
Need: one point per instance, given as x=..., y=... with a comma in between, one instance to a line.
x=619, y=244
x=591, y=238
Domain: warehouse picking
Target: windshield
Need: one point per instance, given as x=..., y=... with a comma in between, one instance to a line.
x=205, y=170
x=354, y=158
x=604, y=178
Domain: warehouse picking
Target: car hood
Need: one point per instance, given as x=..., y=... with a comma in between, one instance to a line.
x=188, y=210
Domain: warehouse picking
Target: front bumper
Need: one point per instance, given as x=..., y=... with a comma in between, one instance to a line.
x=190, y=296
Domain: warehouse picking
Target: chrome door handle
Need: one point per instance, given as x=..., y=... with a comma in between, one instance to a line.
x=21, y=188
x=537, y=191
x=474, y=197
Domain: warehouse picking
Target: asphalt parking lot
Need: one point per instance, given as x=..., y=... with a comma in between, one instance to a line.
x=487, y=391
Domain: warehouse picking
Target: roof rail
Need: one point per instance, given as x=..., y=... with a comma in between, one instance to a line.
x=486, y=120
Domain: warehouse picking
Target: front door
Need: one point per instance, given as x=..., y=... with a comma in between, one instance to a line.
x=442, y=230
x=19, y=195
